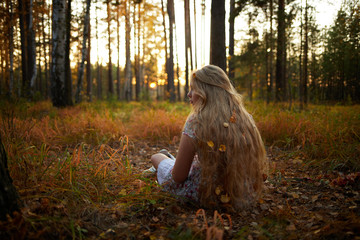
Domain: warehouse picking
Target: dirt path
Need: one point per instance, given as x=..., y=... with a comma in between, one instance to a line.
x=299, y=202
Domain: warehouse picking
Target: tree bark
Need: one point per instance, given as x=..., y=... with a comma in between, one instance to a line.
x=84, y=52
x=195, y=42
x=217, y=38
x=128, y=84
x=9, y=197
x=281, y=55
x=188, y=50
x=118, y=82
x=11, y=48
x=58, y=93
x=270, y=67
x=98, y=70
x=68, y=78
x=306, y=50
x=231, y=39
x=110, y=77
x=166, y=45
x=138, y=58
x=170, y=8
x=28, y=54
x=88, y=69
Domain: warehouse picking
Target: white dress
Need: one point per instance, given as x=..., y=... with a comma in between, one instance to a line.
x=190, y=188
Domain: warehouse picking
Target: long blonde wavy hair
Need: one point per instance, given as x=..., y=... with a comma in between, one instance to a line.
x=230, y=149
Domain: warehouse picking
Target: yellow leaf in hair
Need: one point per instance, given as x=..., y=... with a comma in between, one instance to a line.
x=225, y=198
x=218, y=190
x=222, y=148
x=210, y=144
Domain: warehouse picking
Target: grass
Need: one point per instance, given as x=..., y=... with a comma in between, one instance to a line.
x=72, y=166
x=326, y=136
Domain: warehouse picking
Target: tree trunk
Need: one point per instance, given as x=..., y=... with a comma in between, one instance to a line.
x=118, y=52
x=188, y=52
x=88, y=69
x=68, y=78
x=58, y=93
x=270, y=67
x=231, y=39
x=217, y=38
x=170, y=8
x=9, y=197
x=46, y=70
x=195, y=33
x=281, y=55
x=32, y=51
x=166, y=44
x=84, y=52
x=28, y=54
x=306, y=50
x=11, y=48
x=98, y=73
x=177, y=64
x=127, y=46
x=301, y=79
x=110, y=78
x=137, y=61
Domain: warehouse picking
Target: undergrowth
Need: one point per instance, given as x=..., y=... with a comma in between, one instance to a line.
x=72, y=168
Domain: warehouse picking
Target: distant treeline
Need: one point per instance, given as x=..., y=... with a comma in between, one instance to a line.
x=288, y=62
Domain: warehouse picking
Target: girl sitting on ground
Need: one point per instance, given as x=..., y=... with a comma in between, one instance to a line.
x=221, y=157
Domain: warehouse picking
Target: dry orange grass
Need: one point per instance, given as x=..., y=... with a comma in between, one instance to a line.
x=156, y=125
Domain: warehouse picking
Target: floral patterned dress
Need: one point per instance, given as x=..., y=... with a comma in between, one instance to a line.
x=190, y=188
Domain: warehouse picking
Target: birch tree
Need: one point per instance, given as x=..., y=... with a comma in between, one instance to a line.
x=58, y=54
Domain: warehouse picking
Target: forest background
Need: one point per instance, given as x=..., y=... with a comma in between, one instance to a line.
x=89, y=90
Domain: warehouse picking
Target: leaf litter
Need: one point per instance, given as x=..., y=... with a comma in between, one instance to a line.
x=300, y=201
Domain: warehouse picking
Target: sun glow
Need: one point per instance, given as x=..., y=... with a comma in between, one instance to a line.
x=152, y=85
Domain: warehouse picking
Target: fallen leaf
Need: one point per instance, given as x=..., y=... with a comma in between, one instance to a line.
x=225, y=198
x=314, y=198
x=291, y=227
x=218, y=190
x=295, y=195
x=210, y=144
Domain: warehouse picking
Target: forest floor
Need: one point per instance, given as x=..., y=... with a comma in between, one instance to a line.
x=300, y=202
x=78, y=172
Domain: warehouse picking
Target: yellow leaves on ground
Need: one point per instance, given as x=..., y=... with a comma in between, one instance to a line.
x=123, y=192
x=225, y=198
x=218, y=190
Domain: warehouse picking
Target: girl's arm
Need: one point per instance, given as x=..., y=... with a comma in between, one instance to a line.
x=184, y=159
